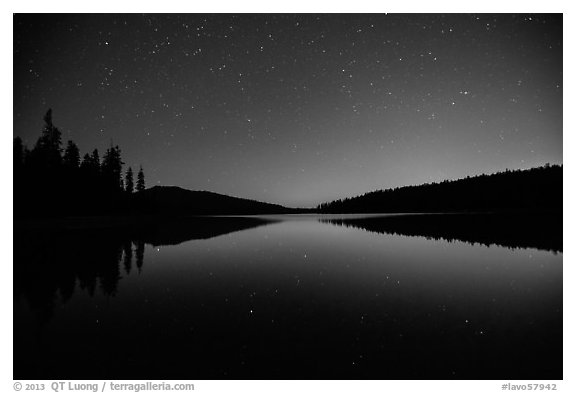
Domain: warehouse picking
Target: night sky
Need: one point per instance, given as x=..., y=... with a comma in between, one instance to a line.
x=296, y=109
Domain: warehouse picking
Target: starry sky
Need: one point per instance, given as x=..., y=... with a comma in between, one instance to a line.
x=296, y=109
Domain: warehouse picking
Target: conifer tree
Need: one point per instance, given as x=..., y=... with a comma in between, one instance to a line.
x=72, y=155
x=129, y=181
x=112, y=168
x=140, y=184
x=48, y=149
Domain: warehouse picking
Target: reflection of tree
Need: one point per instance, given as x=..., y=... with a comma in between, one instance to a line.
x=139, y=255
x=542, y=231
x=127, y=256
x=67, y=285
x=109, y=271
x=50, y=263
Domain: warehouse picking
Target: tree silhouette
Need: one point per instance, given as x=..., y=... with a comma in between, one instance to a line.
x=536, y=188
x=139, y=255
x=140, y=184
x=51, y=136
x=48, y=148
x=90, y=171
x=69, y=186
x=95, y=160
x=127, y=256
x=71, y=156
x=129, y=181
x=112, y=168
x=86, y=160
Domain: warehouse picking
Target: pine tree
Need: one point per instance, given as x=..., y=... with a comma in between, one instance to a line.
x=90, y=168
x=86, y=161
x=140, y=185
x=51, y=136
x=48, y=149
x=95, y=161
x=72, y=155
x=112, y=168
x=129, y=181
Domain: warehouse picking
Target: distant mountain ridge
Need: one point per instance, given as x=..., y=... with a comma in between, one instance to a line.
x=532, y=189
x=537, y=188
x=172, y=200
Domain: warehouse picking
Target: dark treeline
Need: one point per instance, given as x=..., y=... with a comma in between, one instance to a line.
x=533, y=189
x=52, y=180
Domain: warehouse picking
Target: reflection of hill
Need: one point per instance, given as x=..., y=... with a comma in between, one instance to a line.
x=540, y=231
x=52, y=258
x=178, y=230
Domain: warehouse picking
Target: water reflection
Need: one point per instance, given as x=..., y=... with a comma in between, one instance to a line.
x=541, y=231
x=49, y=264
x=295, y=300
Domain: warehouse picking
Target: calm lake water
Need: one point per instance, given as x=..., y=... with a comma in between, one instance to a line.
x=282, y=298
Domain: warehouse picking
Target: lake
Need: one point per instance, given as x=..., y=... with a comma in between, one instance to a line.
x=290, y=297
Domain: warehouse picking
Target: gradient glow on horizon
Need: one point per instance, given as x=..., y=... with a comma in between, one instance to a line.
x=297, y=109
